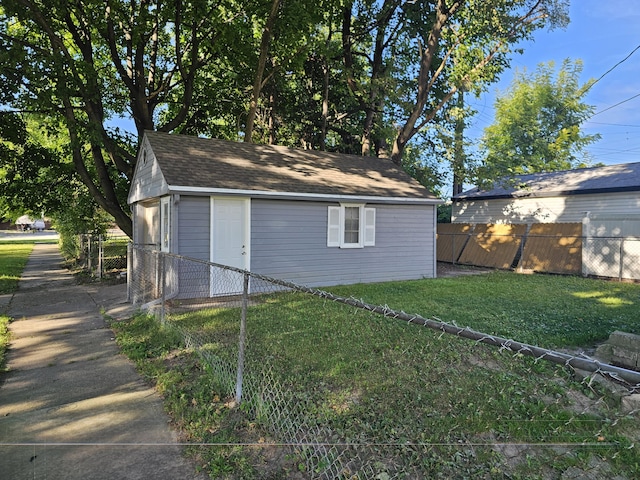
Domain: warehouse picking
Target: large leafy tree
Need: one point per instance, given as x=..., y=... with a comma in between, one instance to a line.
x=463, y=45
x=89, y=62
x=400, y=63
x=291, y=41
x=537, y=124
x=33, y=176
x=358, y=76
x=380, y=72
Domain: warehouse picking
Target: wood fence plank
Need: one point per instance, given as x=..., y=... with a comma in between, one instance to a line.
x=451, y=239
x=493, y=245
x=553, y=248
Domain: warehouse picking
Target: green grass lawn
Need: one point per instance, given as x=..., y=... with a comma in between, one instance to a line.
x=545, y=310
x=13, y=258
x=437, y=406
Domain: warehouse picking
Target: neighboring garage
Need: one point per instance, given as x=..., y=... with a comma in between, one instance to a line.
x=584, y=221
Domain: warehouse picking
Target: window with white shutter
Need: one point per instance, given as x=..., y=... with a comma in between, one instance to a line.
x=369, y=227
x=351, y=226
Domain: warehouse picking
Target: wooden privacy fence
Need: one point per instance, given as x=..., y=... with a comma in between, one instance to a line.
x=451, y=239
x=494, y=246
x=548, y=247
x=553, y=248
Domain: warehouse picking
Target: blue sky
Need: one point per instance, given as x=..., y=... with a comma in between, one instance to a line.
x=601, y=34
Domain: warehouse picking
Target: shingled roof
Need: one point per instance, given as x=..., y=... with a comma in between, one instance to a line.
x=194, y=163
x=607, y=179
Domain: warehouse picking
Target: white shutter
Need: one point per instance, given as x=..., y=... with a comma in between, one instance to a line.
x=369, y=227
x=333, y=227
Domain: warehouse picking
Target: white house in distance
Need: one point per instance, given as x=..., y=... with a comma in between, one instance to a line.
x=309, y=217
x=556, y=197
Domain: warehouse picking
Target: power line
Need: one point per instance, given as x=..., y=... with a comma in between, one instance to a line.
x=613, y=68
x=613, y=124
x=616, y=105
x=604, y=75
x=608, y=72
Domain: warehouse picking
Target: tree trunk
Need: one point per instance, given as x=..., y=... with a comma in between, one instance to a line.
x=372, y=104
x=458, y=148
x=272, y=118
x=262, y=61
x=408, y=130
x=325, y=104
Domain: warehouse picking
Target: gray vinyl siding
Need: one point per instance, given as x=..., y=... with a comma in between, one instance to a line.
x=193, y=242
x=564, y=209
x=289, y=241
x=148, y=181
x=193, y=227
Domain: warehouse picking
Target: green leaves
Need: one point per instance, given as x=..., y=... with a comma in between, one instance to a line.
x=363, y=77
x=33, y=175
x=537, y=126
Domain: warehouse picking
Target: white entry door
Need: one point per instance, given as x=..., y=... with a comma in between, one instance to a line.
x=229, y=244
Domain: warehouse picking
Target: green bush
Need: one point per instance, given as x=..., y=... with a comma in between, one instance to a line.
x=80, y=218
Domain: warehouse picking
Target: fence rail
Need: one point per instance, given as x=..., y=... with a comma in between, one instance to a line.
x=179, y=289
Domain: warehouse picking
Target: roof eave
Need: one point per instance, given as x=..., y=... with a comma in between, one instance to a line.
x=183, y=190
x=558, y=193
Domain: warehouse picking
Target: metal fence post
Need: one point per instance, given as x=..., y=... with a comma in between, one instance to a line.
x=161, y=273
x=89, y=254
x=243, y=332
x=100, y=256
x=587, y=244
x=621, y=259
x=129, y=269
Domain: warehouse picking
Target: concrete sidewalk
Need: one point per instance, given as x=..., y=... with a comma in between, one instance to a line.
x=72, y=406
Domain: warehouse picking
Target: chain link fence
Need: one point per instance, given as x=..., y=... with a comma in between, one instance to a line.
x=612, y=257
x=219, y=311
x=103, y=255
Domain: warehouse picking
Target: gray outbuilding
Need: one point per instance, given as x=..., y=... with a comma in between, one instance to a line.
x=309, y=217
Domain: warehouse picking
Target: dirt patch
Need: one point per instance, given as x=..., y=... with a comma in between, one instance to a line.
x=449, y=270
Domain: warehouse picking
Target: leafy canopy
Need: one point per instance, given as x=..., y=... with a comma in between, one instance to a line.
x=34, y=178
x=358, y=76
x=537, y=126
